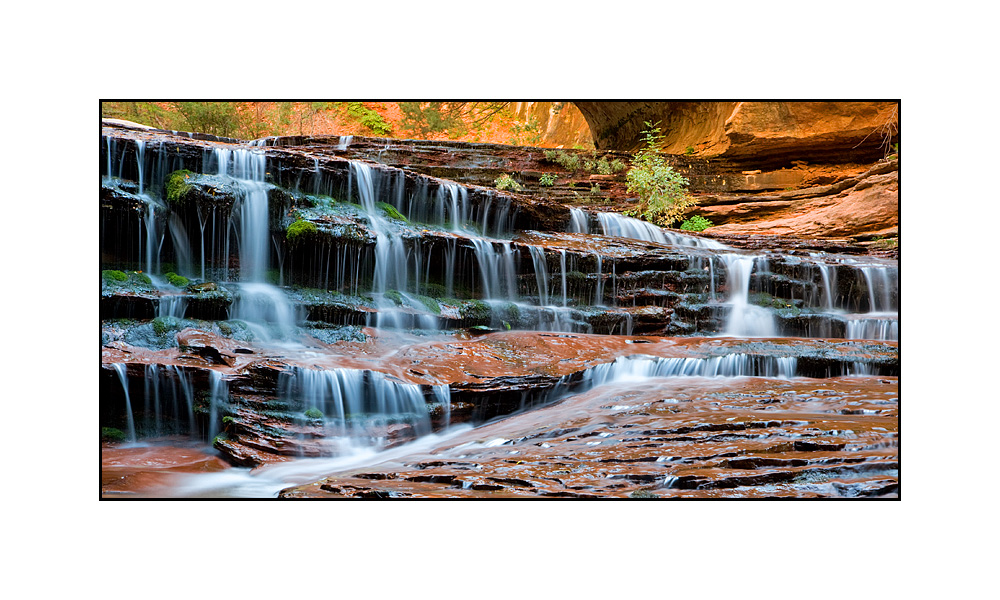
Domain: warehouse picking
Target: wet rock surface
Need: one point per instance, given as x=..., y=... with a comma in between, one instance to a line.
x=667, y=438
x=331, y=307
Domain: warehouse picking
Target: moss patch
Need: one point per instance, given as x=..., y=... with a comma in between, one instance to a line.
x=391, y=212
x=176, y=280
x=176, y=186
x=114, y=276
x=299, y=230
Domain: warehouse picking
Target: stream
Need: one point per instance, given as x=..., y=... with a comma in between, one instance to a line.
x=285, y=321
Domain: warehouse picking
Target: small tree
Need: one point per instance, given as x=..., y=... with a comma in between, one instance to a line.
x=662, y=192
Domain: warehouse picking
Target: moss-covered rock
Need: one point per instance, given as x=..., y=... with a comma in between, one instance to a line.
x=176, y=280
x=300, y=230
x=395, y=296
x=391, y=212
x=176, y=186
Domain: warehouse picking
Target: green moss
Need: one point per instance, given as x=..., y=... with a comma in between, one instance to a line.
x=110, y=434
x=314, y=413
x=163, y=325
x=395, y=296
x=300, y=229
x=141, y=278
x=176, y=280
x=391, y=211
x=227, y=420
x=176, y=186
x=431, y=304
x=114, y=276
x=476, y=309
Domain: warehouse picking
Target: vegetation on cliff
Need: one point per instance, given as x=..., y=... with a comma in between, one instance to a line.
x=663, y=196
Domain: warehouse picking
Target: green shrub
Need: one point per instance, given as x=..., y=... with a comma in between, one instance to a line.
x=506, y=182
x=114, y=276
x=547, y=180
x=662, y=192
x=314, y=413
x=369, y=118
x=300, y=229
x=689, y=150
x=176, y=280
x=176, y=186
x=595, y=189
x=391, y=211
x=617, y=166
x=696, y=223
x=110, y=434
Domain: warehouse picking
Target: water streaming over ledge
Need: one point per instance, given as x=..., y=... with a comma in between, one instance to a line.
x=476, y=250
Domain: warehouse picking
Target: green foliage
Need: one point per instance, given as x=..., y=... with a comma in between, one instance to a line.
x=453, y=118
x=216, y=118
x=391, y=211
x=141, y=278
x=110, y=434
x=662, y=192
x=595, y=189
x=696, y=223
x=689, y=151
x=299, y=230
x=227, y=420
x=505, y=182
x=574, y=162
x=547, y=180
x=395, y=296
x=528, y=133
x=314, y=413
x=176, y=280
x=114, y=276
x=368, y=118
x=176, y=186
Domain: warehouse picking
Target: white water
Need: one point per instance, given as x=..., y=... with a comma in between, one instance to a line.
x=616, y=225
x=120, y=369
x=745, y=319
x=579, y=222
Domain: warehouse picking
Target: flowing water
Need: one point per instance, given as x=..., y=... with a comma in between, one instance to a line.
x=425, y=235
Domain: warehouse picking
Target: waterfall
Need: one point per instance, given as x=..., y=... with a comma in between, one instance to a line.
x=616, y=225
x=218, y=392
x=121, y=370
x=358, y=402
x=744, y=319
x=579, y=222
x=541, y=273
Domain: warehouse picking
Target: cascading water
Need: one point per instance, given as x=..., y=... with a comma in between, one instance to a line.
x=744, y=319
x=456, y=243
x=120, y=369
